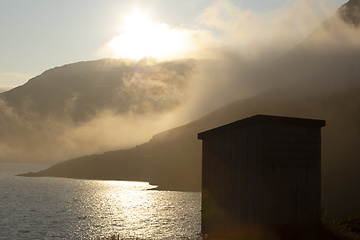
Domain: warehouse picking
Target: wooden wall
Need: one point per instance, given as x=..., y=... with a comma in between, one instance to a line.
x=262, y=175
x=292, y=175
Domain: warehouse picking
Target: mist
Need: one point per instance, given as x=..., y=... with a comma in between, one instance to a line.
x=5, y=88
x=290, y=49
x=90, y=107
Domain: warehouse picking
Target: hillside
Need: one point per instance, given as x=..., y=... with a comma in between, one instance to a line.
x=53, y=116
x=172, y=159
x=320, y=79
x=81, y=90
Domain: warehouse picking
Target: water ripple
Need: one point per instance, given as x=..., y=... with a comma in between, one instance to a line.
x=57, y=208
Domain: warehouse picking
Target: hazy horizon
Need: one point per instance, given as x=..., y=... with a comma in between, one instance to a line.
x=245, y=51
x=38, y=36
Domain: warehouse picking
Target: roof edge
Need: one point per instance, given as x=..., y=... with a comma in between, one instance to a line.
x=263, y=119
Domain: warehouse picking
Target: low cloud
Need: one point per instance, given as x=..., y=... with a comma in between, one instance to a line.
x=160, y=41
x=290, y=49
x=14, y=79
x=245, y=58
x=34, y=138
x=95, y=107
x=223, y=27
x=265, y=35
x=4, y=88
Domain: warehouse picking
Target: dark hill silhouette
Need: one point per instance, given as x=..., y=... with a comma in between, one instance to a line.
x=318, y=79
x=172, y=159
x=350, y=12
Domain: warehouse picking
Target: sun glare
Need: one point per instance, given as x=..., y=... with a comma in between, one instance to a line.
x=143, y=38
x=136, y=22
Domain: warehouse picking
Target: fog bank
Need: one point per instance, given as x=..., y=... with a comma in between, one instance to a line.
x=117, y=104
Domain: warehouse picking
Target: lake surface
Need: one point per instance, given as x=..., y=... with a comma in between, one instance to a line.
x=60, y=208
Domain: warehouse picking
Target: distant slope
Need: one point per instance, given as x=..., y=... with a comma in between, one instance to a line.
x=172, y=159
x=350, y=12
x=319, y=79
x=53, y=116
x=79, y=91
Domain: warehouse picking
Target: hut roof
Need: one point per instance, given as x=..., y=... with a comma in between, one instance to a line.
x=263, y=119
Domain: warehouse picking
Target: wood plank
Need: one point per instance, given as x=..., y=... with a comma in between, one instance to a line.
x=312, y=187
x=206, y=167
x=243, y=176
x=289, y=154
x=317, y=132
x=288, y=129
x=277, y=196
x=306, y=198
x=230, y=188
x=266, y=183
x=221, y=179
x=231, y=201
x=283, y=208
x=301, y=183
x=314, y=131
x=271, y=197
x=255, y=175
x=290, y=162
x=291, y=146
x=267, y=128
x=294, y=190
x=249, y=166
x=289, y=202
x=214, y=186
x=315, y=196
x=238, y=174
x=272, y=137
x=221, y=171
x=204, y=183
x=260, y=188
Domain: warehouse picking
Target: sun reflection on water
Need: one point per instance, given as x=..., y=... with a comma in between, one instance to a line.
x=138, y=208
x=84, y=209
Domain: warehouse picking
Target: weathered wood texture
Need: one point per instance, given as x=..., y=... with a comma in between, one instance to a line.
x=262, y=172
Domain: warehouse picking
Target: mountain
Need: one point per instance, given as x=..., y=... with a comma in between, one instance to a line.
x=81, y=90
x=319, y=79
x=350, y=12
x=172, y=159
x=52, y=116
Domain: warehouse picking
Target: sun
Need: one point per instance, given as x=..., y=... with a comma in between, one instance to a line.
x=144, y=38
x=136, y=22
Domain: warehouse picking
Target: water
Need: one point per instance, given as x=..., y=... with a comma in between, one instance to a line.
x=59, y=208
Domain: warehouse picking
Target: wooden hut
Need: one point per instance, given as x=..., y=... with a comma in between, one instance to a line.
x=261, y=173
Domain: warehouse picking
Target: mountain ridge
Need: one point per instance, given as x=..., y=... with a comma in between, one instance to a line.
x=308, y=83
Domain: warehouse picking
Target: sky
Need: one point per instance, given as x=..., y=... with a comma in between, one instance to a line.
x=40, y=34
